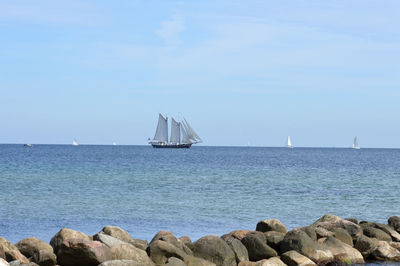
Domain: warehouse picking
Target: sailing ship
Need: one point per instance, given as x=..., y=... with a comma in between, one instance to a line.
x=355, y=144
x=182, y=134
x=74, y=143
x=289, y=143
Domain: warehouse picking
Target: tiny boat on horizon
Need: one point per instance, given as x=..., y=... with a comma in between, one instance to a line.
x=28, y=145
x=75, y=143
x=289, y=143
x=355, y=145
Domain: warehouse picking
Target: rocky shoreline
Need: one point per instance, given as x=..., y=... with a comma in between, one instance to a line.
x=328, y=241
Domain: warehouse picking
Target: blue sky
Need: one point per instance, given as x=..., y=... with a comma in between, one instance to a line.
x=239, y=71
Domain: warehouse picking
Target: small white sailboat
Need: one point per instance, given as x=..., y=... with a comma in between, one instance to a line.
x=28, y=145
x=74, y=143
x=289, y=143
x=114, y=143
x=355, y=145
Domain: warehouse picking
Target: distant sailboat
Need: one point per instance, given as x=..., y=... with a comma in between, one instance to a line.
x=74, y=143
x=114, y=143
x=355, y=144
x=289, y=143
x=28, y=145
x=182, y=134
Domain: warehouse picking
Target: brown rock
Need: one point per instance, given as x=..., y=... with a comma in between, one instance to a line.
x=11, y=252
x=376, y=233
x=366, y=245
x=214, y=249
x=274, y=239
x=129, y=252
x=120, y=263
x=331, y=222
x=257, y=247
x=385, y=252
x=271, y=225
x=2, y=254
x=293, y=258
x=343, y=235
x=44, y=258
x=30, y=246
x=81, y=252
x=343, y=252
x=238, y=248
x=353, y=220
x=160, y=251
x=394, y=222
x=175, y=262
x=123, y=235
x=65, y=234
x=238, y=234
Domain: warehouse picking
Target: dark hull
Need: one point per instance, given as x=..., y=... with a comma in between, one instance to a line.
x=172, y=146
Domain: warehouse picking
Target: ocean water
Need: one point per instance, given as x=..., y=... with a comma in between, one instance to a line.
x=194, y=192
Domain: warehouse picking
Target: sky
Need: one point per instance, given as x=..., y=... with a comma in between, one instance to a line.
x=241, y=72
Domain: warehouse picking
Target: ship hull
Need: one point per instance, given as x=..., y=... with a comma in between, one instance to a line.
x=172, y=146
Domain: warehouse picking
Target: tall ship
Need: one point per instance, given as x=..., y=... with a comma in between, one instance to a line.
x=182, y=134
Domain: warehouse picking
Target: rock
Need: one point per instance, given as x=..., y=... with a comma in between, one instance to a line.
x=366, y=245
x=185, y=239
x=343, y=252
x=194, y=261
x=343, y=235
x=385, y=252
x=30, y=246
x=389, y=230
x=172, y=261
x=3, y=262
x=160, y=251
x=271, y=225
x=376, y=233
x=44, y=258
x=65, y=234
x=322, y=232
x=394, y=222
x=239, y=234
x=108, y=240
x=82, y=252
x=123, y=235
x=274, y=261
x=257, y=247
x=127, y=251
x=293, y=258
x=299, y=241
x=239, y=249
x=331, y=222
x=353, y=220
x=274, y=239
x=396, y=245
x=214, y=249
x=310, y=231
x=11, y=252
x=170, y=238
x=120, y=263
x=18, y=263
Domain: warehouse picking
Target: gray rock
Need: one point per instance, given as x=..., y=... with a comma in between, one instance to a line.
x=44, y=258
x=353, y=220
x=331, y=222
x=293, y=258
x=120, y=263
x=214, y=249
x=343, y=235
x=108, y=240
x=385, y=252
x=160, y=251
x=81, y=252
x=274, y=239
x=394, y=222
x=366, y=245
x=271, y=225
x=170, y=238
x=389, y=230
x=257, y=247
x=127, y=251
x=18, y=263
x=343, y=252
x=3, y=262
x=65, y=234
x=238, y=248
x=376, y=233
x=11, y=252
x=123, y=235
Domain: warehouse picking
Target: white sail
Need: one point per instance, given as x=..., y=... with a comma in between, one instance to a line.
x=175, y=132
x=74, y=143
x=162, y=129
x=289, y=142
x=114, y=143
x=355, y=144
x=185, y=137
x=191, y=133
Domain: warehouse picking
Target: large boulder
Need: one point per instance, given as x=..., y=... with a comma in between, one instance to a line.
x=30, y=246
x=170, y=238
x=385, y=252
x=394, y=222
x=81, y=252
x=274, y=239
x=120, y=263
x=127, y=251
x=366, y=245
x=331, y=222
x=123, y=235
x=343, y=252
x=301, y=242
x=389, y=230
x=257, y=247
x=108, y=240
x=11, y=252
x=376, y=233
x=44, y=258
x=343, y=236
x=294, y=258
x=214, y=249
x=160, y=251
x=271, y=225
x=65, y=234
x=239, y=234
x=238, y=248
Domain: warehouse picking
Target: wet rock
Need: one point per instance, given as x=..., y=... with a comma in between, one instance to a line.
x=293, y=258
x=129, y=252
x=238, y=248
x=274, y=239
x=175, y=262
x=257, y=247
x=271, y=225
x=394, y=222
x=11, y=252
x=385, y=252
x=376, y=233
x=366, y=245
x=82, y=252
x=120, y=263
x=343, y=252
x=214, y=249
x=343, y=235
x=65, y=234
x=30, y=246
x=160, y=251
x=299, y=241
x=44, y=258
x=108, y=240
x=123, y=235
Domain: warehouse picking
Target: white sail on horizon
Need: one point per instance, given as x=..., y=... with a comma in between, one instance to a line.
x=175, y=132
x=289, y=142
x=191, y=133
x=355, y=143
x=162, y=129
x=74, y=143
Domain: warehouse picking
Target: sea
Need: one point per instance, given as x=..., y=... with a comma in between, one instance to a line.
x=193, y=192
